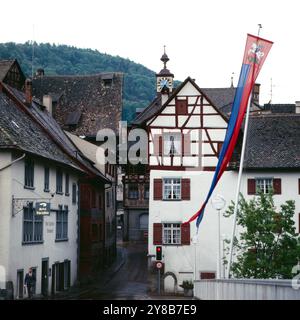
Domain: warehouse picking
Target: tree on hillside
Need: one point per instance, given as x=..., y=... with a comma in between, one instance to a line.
x=268, y=246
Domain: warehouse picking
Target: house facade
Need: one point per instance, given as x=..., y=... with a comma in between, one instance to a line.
x=186, y=128
x=83, y=105
x=34, y=169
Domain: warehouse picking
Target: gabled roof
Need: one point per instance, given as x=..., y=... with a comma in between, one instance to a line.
x=99, y=105
x=280, y=108
x=35, y=131
x=273, y=142
x=155, y=106
x=5, y=66
x=18, y=131
x=89, y=150
x=222, y=98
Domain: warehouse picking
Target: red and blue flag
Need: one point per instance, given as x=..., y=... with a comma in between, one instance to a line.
x=256, y=51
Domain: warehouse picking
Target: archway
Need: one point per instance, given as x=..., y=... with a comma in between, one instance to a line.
x=169, y=281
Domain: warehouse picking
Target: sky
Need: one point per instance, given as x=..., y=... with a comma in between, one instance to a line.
x=204, y=39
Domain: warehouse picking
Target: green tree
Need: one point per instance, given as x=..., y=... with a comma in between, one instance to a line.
x=268, y=246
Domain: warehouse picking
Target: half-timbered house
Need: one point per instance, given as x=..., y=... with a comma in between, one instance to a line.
x=186, y=128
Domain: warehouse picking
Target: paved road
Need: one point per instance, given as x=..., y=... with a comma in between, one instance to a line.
x=130, y=282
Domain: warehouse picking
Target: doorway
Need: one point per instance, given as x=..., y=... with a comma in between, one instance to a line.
x=45, y=276
x=20, y=284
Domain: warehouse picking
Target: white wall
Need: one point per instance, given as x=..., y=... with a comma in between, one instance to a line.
x=19, y=256
x=180, y=259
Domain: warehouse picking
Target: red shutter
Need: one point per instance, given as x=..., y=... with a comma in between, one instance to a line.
x=277, y=186
x=85, y=197
x=157, y=189
x=185, y=189
x=251, y=186
x=185, y=234
x=157, y=140
x=181, y=107
x=187, y=144
x=157, y=233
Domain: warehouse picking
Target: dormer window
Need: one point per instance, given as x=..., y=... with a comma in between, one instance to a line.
x=172, y=144
x=107, y=80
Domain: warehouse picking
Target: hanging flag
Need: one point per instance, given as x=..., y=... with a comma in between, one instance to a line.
x=256, y=52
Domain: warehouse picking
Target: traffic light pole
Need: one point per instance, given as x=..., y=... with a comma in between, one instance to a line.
x=158, y=279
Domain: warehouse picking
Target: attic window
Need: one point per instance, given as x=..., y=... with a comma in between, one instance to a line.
x=73, y=118
x=107, y=80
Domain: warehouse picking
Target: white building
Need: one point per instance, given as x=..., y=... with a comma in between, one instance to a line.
x=38, y=163
x=186, y=128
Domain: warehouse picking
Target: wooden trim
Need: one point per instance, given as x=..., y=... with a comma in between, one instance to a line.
x=211, y=144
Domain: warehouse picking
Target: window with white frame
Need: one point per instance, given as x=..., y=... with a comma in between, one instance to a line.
x=264, y=185
x=62, y=223
x=171, y=233
x=32, y=225
x=172, y=189
x=172, y=144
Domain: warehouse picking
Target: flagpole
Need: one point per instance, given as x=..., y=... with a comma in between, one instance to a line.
x=237, y=196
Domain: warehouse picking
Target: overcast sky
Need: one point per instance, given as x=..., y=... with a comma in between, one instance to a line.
x=204, y=39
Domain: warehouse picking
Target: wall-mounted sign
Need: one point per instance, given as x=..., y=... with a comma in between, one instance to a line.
x=42, y=208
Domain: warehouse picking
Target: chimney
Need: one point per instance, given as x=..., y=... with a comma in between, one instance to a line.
x=47, y=102
x=297, y=106
x=255, y=94
x=28, y=91
x=40, y=72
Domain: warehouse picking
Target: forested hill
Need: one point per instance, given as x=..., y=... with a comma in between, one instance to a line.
x=139, y=82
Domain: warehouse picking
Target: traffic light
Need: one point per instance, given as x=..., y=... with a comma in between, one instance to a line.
x=158, y=253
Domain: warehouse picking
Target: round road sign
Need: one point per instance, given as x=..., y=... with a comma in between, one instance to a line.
x=159, y=265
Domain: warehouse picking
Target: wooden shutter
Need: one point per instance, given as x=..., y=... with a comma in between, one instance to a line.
x=157, y=140
x=251, y=186
x=185, y=234
x=157, y=233
x=186, y=144
x=181, y=107
x=157, y=189
x=185, y=189
x=277, y=186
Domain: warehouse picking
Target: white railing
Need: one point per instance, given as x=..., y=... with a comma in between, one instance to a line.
x=246, y=289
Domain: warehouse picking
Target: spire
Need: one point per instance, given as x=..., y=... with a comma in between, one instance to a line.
x=164, y=58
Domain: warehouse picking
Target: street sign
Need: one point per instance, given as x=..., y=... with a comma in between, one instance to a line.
x=218, y=202
x=159, y=265
x=42, y=208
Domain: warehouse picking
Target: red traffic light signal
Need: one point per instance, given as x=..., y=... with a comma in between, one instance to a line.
x=158, y=253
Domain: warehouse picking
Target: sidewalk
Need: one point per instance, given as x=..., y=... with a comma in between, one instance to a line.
x=101, y=280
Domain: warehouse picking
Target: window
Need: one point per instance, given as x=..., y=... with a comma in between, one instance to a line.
x=46, y=179
x=181, y=106
x=32, y=226
x=74, y=193
x=29, y=173
x=95, y=228
x=264, y=185
x=172, y=189
x=62, y=223
x=107, y=199
x=146, y=191
x=133, y=191
x=171, y=233
x=94, y=198
x=172, y=144
x=59, y=181
x=67, y=192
